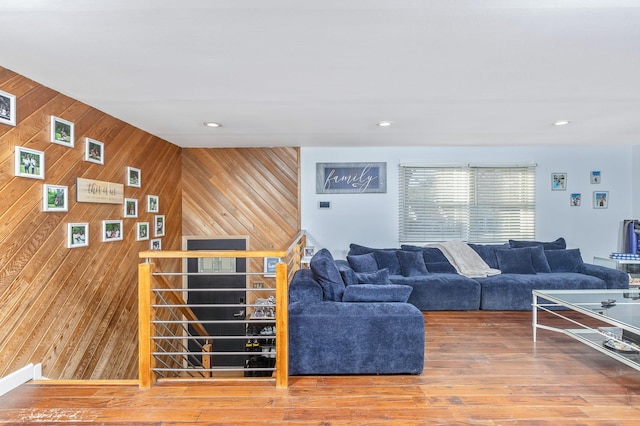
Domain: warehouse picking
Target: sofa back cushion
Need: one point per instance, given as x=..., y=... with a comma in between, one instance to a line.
x=388, y=259
x=363, y=262
x=327, y=275
x=411, y=263
x=488, y=253
x=564, y=260
x=434, y=259
x=558, y=244
x=380, y=277
x=515, y=261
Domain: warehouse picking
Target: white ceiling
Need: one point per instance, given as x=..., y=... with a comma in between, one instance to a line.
x=323, y=73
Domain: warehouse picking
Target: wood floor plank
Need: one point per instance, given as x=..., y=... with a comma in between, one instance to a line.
x=481, y=368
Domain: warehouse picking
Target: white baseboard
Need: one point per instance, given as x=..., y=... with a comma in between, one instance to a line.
x=15, y=379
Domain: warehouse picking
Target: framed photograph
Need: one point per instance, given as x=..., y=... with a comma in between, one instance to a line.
x=309, y=251
x=153, y=204
x=77, y=235
x=142, y=231
x=7, y=108
x=270, y=266
x=29, y=163
x=155, y=244
x=55, y=198
x=111, y=230
x=600, y=199
x=62, y=132
x=158, y=226
x=134, y=177
x=575, y=200
x=130, y=207
x=558, y=181
x=596, y=177
x=93, y=151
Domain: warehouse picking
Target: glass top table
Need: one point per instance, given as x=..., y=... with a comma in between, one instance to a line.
x=617, y=310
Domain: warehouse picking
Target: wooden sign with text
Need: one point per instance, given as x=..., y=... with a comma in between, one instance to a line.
x=96, y=191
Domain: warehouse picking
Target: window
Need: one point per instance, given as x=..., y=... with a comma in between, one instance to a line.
x=469, y=203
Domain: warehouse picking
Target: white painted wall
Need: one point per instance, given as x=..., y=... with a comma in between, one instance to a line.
x=372, y=219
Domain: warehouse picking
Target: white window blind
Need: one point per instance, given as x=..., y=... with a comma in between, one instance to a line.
x=468, y=203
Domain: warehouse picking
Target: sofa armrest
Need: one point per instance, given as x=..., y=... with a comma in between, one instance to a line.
x=304, y=288
x=613, y=277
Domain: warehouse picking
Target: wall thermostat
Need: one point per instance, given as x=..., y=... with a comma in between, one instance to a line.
x=324, y=204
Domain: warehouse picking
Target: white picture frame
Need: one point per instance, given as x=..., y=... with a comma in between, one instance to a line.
x=134, y=177
x=55, y=198
x=93, y=151
x=77, y=235
x=158, y=225
x=153, y=204
x=7, y=108
x=130, y=207
x=62, y=132
x=142, y=231
x=29, y=163
x=112, y=230
x=155, y=244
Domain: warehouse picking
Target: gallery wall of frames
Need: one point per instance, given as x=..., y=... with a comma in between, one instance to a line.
x=82, y=194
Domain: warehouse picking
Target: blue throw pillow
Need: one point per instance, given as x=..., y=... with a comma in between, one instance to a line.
x=411, y=263
x=558, y=244
x=388, y=259
x=515, y=261
x=349, y=276
x=377, y=293
x=488, y=253
x=327, y=275
x=539, y=260
x=363, y=262
x=380, y=277
x=564, y=260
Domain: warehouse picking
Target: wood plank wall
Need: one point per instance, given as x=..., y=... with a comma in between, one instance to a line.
x=75, y=310
x=238, y=192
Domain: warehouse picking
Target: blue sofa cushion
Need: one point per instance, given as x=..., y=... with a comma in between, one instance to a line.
x=515, y=261
x=363, y=262
x=327, y=275
x=539, y=259
x=564, y=260
x=434, y=260
x=377, y=293
x=388, y=259
x=349, y=277
x=411, y=263
x=488, y=253
x=380, y=277
x=558, y=244
x=358, y=249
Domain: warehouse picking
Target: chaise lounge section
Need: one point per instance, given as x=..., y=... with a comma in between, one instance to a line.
x=356, y=329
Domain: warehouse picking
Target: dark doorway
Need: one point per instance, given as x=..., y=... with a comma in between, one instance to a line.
x=219, y=266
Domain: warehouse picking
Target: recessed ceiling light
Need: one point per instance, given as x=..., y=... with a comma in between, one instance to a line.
x=561, y=123
x=385, y=123
x=212, y=124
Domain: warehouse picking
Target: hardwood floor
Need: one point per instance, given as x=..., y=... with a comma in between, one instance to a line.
x=480, y=368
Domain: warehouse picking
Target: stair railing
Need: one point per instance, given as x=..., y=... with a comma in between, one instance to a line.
x=167, y=323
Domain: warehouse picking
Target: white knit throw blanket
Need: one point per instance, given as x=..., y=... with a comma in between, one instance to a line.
x=465, y=259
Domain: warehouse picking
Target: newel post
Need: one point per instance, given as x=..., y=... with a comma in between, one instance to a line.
x=146, y=298
x=282, y=326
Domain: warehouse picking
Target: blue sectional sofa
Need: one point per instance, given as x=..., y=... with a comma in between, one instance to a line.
x=524, y=266
x=363, y=329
